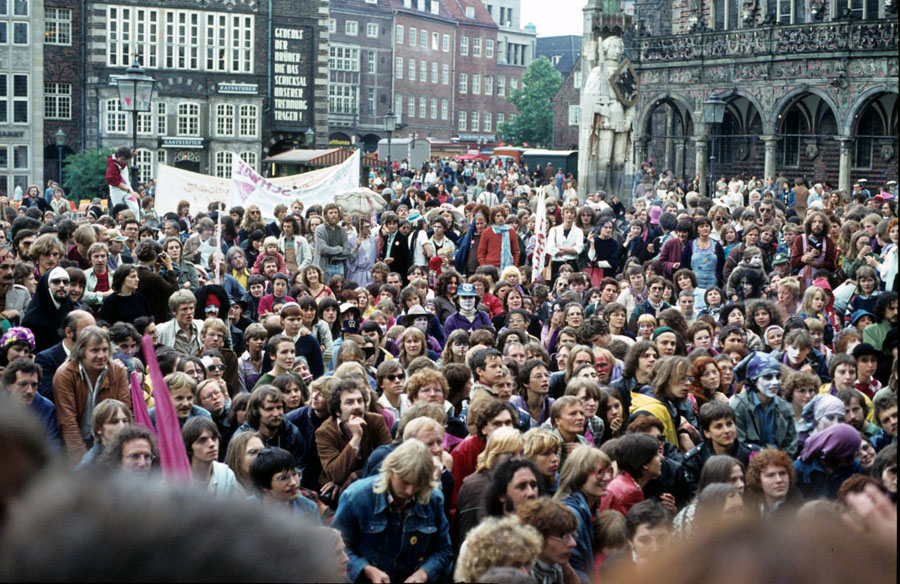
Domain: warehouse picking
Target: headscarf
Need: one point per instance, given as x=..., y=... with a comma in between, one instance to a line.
x=821, y=406
x=755, y=365
x=16, y=334
x=834, y=444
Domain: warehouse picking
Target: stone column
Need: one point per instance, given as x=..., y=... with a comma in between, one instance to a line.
x=670, y=143
x=701, y=167
x=679, y=157
x=640, y=150
x=844, y=178
x=771, y=143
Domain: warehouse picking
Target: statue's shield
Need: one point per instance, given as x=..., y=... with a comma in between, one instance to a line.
x=625, y=83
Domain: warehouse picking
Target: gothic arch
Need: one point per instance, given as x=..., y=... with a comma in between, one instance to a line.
x=793, y=96
x=859, y=104
x=681, y=103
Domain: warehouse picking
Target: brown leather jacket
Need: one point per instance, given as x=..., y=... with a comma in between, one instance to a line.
x=340, y=462
x=70, y=392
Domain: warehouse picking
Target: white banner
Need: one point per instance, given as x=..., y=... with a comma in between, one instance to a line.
x=316, y=187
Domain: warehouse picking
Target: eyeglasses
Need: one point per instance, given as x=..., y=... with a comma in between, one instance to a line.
x=656, y=288
x=721, y=219
x=395, y=376
x=58, y=281
x=7, y=267
x=564, y=537
x=139, y=456
x=216, y=367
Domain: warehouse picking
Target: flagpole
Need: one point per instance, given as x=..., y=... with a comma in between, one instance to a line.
x=219, y=243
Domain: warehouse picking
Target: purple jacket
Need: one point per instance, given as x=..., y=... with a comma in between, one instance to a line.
x=458, y=321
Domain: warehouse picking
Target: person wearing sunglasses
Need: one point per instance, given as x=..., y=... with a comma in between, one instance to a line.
x=389, y=381
x=48, y=308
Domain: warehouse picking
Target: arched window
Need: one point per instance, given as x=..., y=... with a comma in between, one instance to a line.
x=789, y=144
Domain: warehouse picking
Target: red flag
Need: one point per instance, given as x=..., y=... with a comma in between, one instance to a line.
x=172, y=456
x=141, y=415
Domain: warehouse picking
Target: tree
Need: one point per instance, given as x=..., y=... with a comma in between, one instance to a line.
x=84, y=174
x=534, y=122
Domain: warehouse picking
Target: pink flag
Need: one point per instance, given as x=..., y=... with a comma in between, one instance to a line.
x=172, y=456
x=141, y=415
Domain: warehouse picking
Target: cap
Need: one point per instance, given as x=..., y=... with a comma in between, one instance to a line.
x=114, y=235
x=466, y=289
x=414, y=217
x=349, y=307
x=863, y=181
x=858, y=314
x=287, y=305
x=864, y=349
x=878, y=199
x=661, y=330
x=780, y=258
x=17, y=333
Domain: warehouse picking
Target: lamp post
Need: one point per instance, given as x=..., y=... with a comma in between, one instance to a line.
x=310, y=136
x=713, y=114
x=60, y=143
x=390, y=124
x=135, y=91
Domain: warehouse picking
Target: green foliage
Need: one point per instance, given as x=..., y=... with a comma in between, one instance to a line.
x=534, y=123
x=84, y=174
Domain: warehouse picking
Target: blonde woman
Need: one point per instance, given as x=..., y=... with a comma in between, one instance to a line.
x=413, y=344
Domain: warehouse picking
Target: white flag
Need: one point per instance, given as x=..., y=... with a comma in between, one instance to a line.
x=540, y=236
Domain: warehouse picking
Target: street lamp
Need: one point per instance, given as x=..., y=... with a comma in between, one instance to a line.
x=135, y=91
x=310, y=136
x=390, y=124
x=713, y=114
x=60, y=143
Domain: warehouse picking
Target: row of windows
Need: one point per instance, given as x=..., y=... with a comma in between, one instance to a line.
x=423, y=69
x=19, y=32
x=423, y=107
x=19, y=8
x=477, y=121
x=476, y=47
x=438, y=42
x=222, y=165
x=485, y=84
x=231, y=120
x=351, y=28
x=727, y=14
x=180, y=39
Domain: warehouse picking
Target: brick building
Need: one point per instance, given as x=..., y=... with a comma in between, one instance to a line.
x=230, y=78
x=21, y=95
x=811, y=87
x=563, y=51
x=567, y=109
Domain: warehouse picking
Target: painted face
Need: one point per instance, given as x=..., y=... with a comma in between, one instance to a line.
x=769, y=384
x=467, y=302
x=796, y=355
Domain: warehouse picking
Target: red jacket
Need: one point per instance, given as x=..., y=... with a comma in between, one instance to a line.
x=465, y=460
x=491, y=244
x=113, y=172
x=622, y=494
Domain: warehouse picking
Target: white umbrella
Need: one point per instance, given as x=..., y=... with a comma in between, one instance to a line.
x=361, y=200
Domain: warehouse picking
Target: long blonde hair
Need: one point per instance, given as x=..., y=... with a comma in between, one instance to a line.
x=501, y=441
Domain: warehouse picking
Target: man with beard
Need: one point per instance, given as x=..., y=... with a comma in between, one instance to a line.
x=332, y=243
x=12, y=300
x=48, y=308
x=265, y=414
x=50, y=359
x=762, y=417
x=813, y=250
x=885, y=320
x=350, y=435
x=513, y=483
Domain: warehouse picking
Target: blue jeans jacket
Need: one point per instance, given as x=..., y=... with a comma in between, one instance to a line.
x=582, y=558
x=363, y=520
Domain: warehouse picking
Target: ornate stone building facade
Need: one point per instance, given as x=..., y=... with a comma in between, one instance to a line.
x=811, y=87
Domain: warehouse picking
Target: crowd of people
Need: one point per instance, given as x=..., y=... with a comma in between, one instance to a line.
x=433, y=404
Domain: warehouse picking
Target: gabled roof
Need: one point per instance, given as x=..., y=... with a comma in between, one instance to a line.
x=458, y=9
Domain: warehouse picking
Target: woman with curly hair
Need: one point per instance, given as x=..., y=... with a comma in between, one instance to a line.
x=706, y=384
x=314, y=279
x=771, y=484
x=761, y=314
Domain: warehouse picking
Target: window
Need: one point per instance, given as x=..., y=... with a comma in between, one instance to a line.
x=413, y=36
x=398, y=67
x=162, y=112
x=576, y=80
x=501, y=87
x=341, y=98
x=250, y=158
x=791, y=11
x=435, y=41
x=343, y=58
x=463, y=45
x=463, y=82
x=488, y=85
x=513, y=84
x=370, y=62
x=423, y=107
x=435, y=7
x=160, y=157
x=489, y=48
x=4, y=164
x=476, y=84
x=399, y=34
x=58, y=101
x=789, y=145
x=248, y=121
x=445, y=43
x=476, y=46
x=351, y=28
x=20, y=33
x=423, y=36
x=434, y=108
x=20, y=99
x=445, y=109
x=370, y=100
x=423, y=71
x=4, y=39
x=223, y=164
x=332, y=26
x=727, y=14
x=445, y=74
x=501, y=119
x=145, y=123
x=412, y=70
x=574, y=115
x=225, y=119
x=182, y=40
x=57, y=26
x=411, y=106
x=116, y=120
x=476, y=122
x=488, y=122
x=372, y=30
x=143, y=159
x=188, y=119
x=398, y=106
x=20, y=157
x=434, y=72
x=463, y=123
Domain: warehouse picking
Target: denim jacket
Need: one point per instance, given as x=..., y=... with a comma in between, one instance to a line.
x=582, y=559
x=363, y=520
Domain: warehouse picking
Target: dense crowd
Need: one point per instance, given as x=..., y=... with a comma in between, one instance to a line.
x=430, y=402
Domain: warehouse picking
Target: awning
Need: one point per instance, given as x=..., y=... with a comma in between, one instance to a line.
x=472, y=157
x=321, y=158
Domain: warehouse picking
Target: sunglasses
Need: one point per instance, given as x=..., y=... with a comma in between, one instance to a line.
x=218, y=367
x=58, y=281
x=395, y=377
